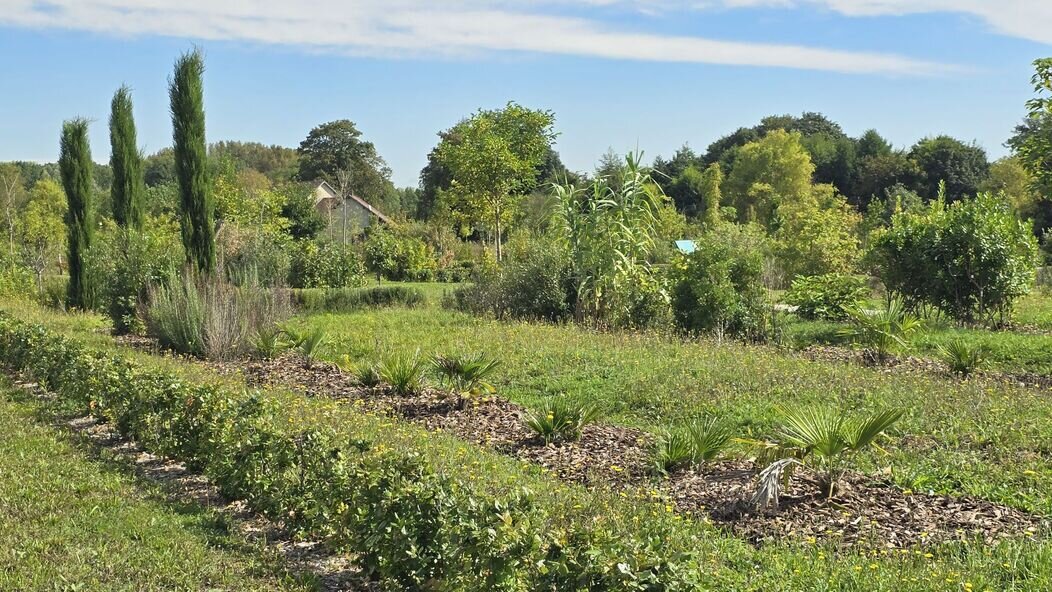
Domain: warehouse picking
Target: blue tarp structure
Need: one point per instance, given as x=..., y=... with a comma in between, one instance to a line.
x=685, y=246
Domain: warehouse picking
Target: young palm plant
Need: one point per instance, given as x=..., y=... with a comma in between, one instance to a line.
x=701, y=442
x=268, y=342
x=404, y=372
x=558, y=420
x=963, y=357
x=467, y=377
x=309, y=343
x=831, y=439
x=882, y=331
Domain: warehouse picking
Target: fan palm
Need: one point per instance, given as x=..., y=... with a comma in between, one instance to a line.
x=883, y=330
x=831, y=438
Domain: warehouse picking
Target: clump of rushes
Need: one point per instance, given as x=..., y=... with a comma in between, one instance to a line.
x=962, y=357
x=701, y=442
x=558, y=420
x=404, y=373
x=467, y=377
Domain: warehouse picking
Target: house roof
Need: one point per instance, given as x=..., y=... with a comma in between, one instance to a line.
x=333, y=194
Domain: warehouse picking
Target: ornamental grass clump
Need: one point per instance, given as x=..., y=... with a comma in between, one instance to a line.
x=558, y=420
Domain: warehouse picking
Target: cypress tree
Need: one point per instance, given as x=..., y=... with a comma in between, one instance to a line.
x=196, y=208
x=126, y=162
x=75, y=167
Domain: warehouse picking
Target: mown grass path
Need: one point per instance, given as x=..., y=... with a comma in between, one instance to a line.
x=72, y=522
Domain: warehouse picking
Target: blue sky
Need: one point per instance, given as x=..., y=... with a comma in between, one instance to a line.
x=621, y=74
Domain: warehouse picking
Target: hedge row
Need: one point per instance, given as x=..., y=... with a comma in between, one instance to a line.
x=422, y=511
x=351, y=299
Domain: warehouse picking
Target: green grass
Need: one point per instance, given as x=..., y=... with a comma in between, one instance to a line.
x=999, y=449
x=1007, y=351
x=1035, y=309
x=72, y=522
x=652, y=381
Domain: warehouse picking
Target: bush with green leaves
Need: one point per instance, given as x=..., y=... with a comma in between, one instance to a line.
x=719, y=287
x=127, y=262
x=380, y=489
x=558, y=420
x=309, y=343
x=398, y=257
x=883, y=331
x=829, y=439
x=533, y=283
x=698, y=443
x=326, y=265
x=827, y=297
x=970, y=259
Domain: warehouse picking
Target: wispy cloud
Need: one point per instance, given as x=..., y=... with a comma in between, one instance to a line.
x=1024, y=19
x=446, y=28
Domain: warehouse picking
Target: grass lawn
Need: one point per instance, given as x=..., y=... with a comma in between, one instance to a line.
x=972, y=437
x=71, y=522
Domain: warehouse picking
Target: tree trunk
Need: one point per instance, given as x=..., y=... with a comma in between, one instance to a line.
x=500, y=251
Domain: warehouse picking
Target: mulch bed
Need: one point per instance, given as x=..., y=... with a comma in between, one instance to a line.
x=867, y=511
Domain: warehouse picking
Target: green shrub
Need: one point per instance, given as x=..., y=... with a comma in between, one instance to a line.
x=826, y=297
x=16, y=281
x=127, y=262
x=719, y=287
x=534, y=283
x=269, y=342
x=352, y=299
x=398, y=257
x=970, y=260
x=558, y=420
x=326, y=265
x=260, y=260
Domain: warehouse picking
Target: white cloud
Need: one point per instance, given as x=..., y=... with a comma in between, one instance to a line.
x=446, y=28
x=1025, y=19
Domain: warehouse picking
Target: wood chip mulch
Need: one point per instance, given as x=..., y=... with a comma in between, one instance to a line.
x=867, y=511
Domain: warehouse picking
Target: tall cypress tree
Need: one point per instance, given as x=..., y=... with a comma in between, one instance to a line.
x=75, y=167
x=126, y=162
x=196, y=207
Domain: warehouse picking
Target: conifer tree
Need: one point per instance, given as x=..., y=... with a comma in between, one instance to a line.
x=196, y=206
x=128, y=186
x=75, y=167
